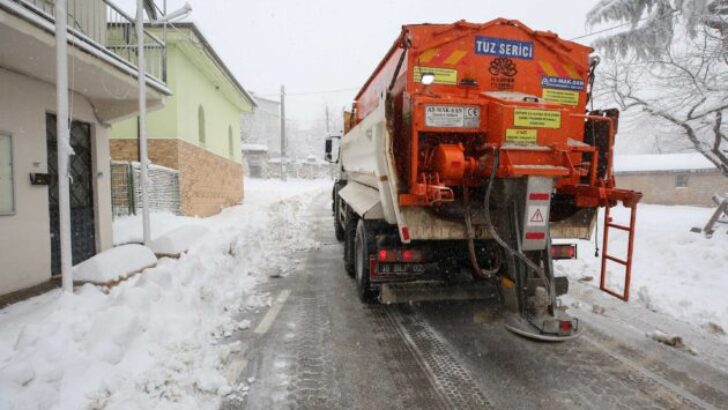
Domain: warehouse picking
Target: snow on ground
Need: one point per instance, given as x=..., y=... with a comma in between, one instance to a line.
x=675, y=271
x=152, y=341
x=115, y=263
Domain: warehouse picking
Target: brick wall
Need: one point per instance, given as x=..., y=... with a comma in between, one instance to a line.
x=208, y=182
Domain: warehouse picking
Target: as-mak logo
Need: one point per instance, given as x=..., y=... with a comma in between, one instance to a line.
x=499, y=47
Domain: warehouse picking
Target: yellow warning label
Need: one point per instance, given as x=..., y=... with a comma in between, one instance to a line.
x=525, y=117
x=447, y=76
x=519, y=135
x=567, y=97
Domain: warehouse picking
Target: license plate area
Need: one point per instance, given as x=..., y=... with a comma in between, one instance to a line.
x=400, y=269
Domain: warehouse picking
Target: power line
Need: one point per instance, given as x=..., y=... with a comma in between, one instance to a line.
x=338, y=90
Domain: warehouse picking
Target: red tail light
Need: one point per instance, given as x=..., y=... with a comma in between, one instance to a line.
x=565, y=326
x=383, y=254
x=400, y=255
x=565, y=251
x=408, y=255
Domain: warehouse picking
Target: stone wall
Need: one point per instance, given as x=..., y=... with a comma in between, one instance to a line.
x=660, y=187
x=208, y=182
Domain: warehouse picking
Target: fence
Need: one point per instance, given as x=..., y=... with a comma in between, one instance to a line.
x=126, y=190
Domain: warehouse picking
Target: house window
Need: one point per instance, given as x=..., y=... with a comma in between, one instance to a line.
x=201, y=125
x=230, y=141
x=7, y=193
x=681, y=181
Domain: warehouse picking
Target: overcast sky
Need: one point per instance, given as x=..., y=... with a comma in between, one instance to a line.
x=321, y=45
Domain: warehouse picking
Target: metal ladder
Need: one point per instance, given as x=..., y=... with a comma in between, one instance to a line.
x=627, y=263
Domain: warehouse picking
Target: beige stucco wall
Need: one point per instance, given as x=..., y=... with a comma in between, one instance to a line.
x=659, y=187
x=25, y=237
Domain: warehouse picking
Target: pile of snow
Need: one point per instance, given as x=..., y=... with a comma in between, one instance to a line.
x=179, y=240
x=153, y=342
x=114, y=264
x=674, y=271
x=661, y=162
x=128, y=229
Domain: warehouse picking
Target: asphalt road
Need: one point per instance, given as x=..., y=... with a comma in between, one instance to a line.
x=318, y=347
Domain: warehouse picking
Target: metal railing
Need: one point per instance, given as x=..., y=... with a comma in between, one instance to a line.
x=106, y=24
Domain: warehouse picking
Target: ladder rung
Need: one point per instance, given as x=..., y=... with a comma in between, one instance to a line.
x=613, y=259
x=622, y=227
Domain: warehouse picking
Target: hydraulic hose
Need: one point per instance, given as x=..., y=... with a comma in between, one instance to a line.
x=478, y=272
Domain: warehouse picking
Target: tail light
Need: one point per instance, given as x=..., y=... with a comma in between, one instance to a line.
x=563, y=251
x=400, y=255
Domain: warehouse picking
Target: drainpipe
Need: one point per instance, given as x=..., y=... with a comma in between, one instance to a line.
x=64, y=146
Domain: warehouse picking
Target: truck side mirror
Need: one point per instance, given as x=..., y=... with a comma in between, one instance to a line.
x=330, y=154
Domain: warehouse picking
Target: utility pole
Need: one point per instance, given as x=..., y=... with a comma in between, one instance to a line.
x=63, y=145
x=141, y=77
x=283, y=132
x=327, y=120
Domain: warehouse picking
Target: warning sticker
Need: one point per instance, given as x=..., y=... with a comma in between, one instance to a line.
x=524, y=117
x=560, y=96
x=521, y=136
x=447, y=76
x=536, y=216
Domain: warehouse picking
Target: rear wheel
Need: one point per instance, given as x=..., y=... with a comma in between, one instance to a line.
x=339, y=231
x=364, y=247
x=349, y=239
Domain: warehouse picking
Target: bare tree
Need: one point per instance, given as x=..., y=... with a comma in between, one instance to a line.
x=672, y=64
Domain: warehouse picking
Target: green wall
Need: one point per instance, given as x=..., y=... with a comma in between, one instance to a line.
x=191, y=88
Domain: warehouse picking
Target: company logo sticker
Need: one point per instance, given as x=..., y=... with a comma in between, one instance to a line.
x=561, y=83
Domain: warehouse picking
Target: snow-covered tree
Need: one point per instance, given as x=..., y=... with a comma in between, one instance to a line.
x=670, y=62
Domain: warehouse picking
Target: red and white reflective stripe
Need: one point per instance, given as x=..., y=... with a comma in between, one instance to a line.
x=405, y=234
x=535, y=235
x=539, y=196
x=372, y=266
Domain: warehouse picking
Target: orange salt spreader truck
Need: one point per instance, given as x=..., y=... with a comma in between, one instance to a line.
x=468, y=150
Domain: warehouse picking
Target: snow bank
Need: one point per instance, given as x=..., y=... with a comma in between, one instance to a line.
x=128, y=229
x=152, y=341
x=115, y=263
x=179, y=240
x=674, y=271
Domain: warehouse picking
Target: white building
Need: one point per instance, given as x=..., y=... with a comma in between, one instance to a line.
x=263, y=126
x=103, y=89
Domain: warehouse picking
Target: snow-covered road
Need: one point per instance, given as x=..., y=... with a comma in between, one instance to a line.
x=260, y=314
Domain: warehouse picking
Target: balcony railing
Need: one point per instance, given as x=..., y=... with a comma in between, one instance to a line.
x=104, y=23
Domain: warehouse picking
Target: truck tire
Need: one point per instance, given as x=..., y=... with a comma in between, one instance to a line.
x=364, y=246
x=349, y=237
x=339, y=230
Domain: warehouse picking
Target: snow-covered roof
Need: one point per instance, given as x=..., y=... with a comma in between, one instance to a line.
x=661, y=162
x=254, y=147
